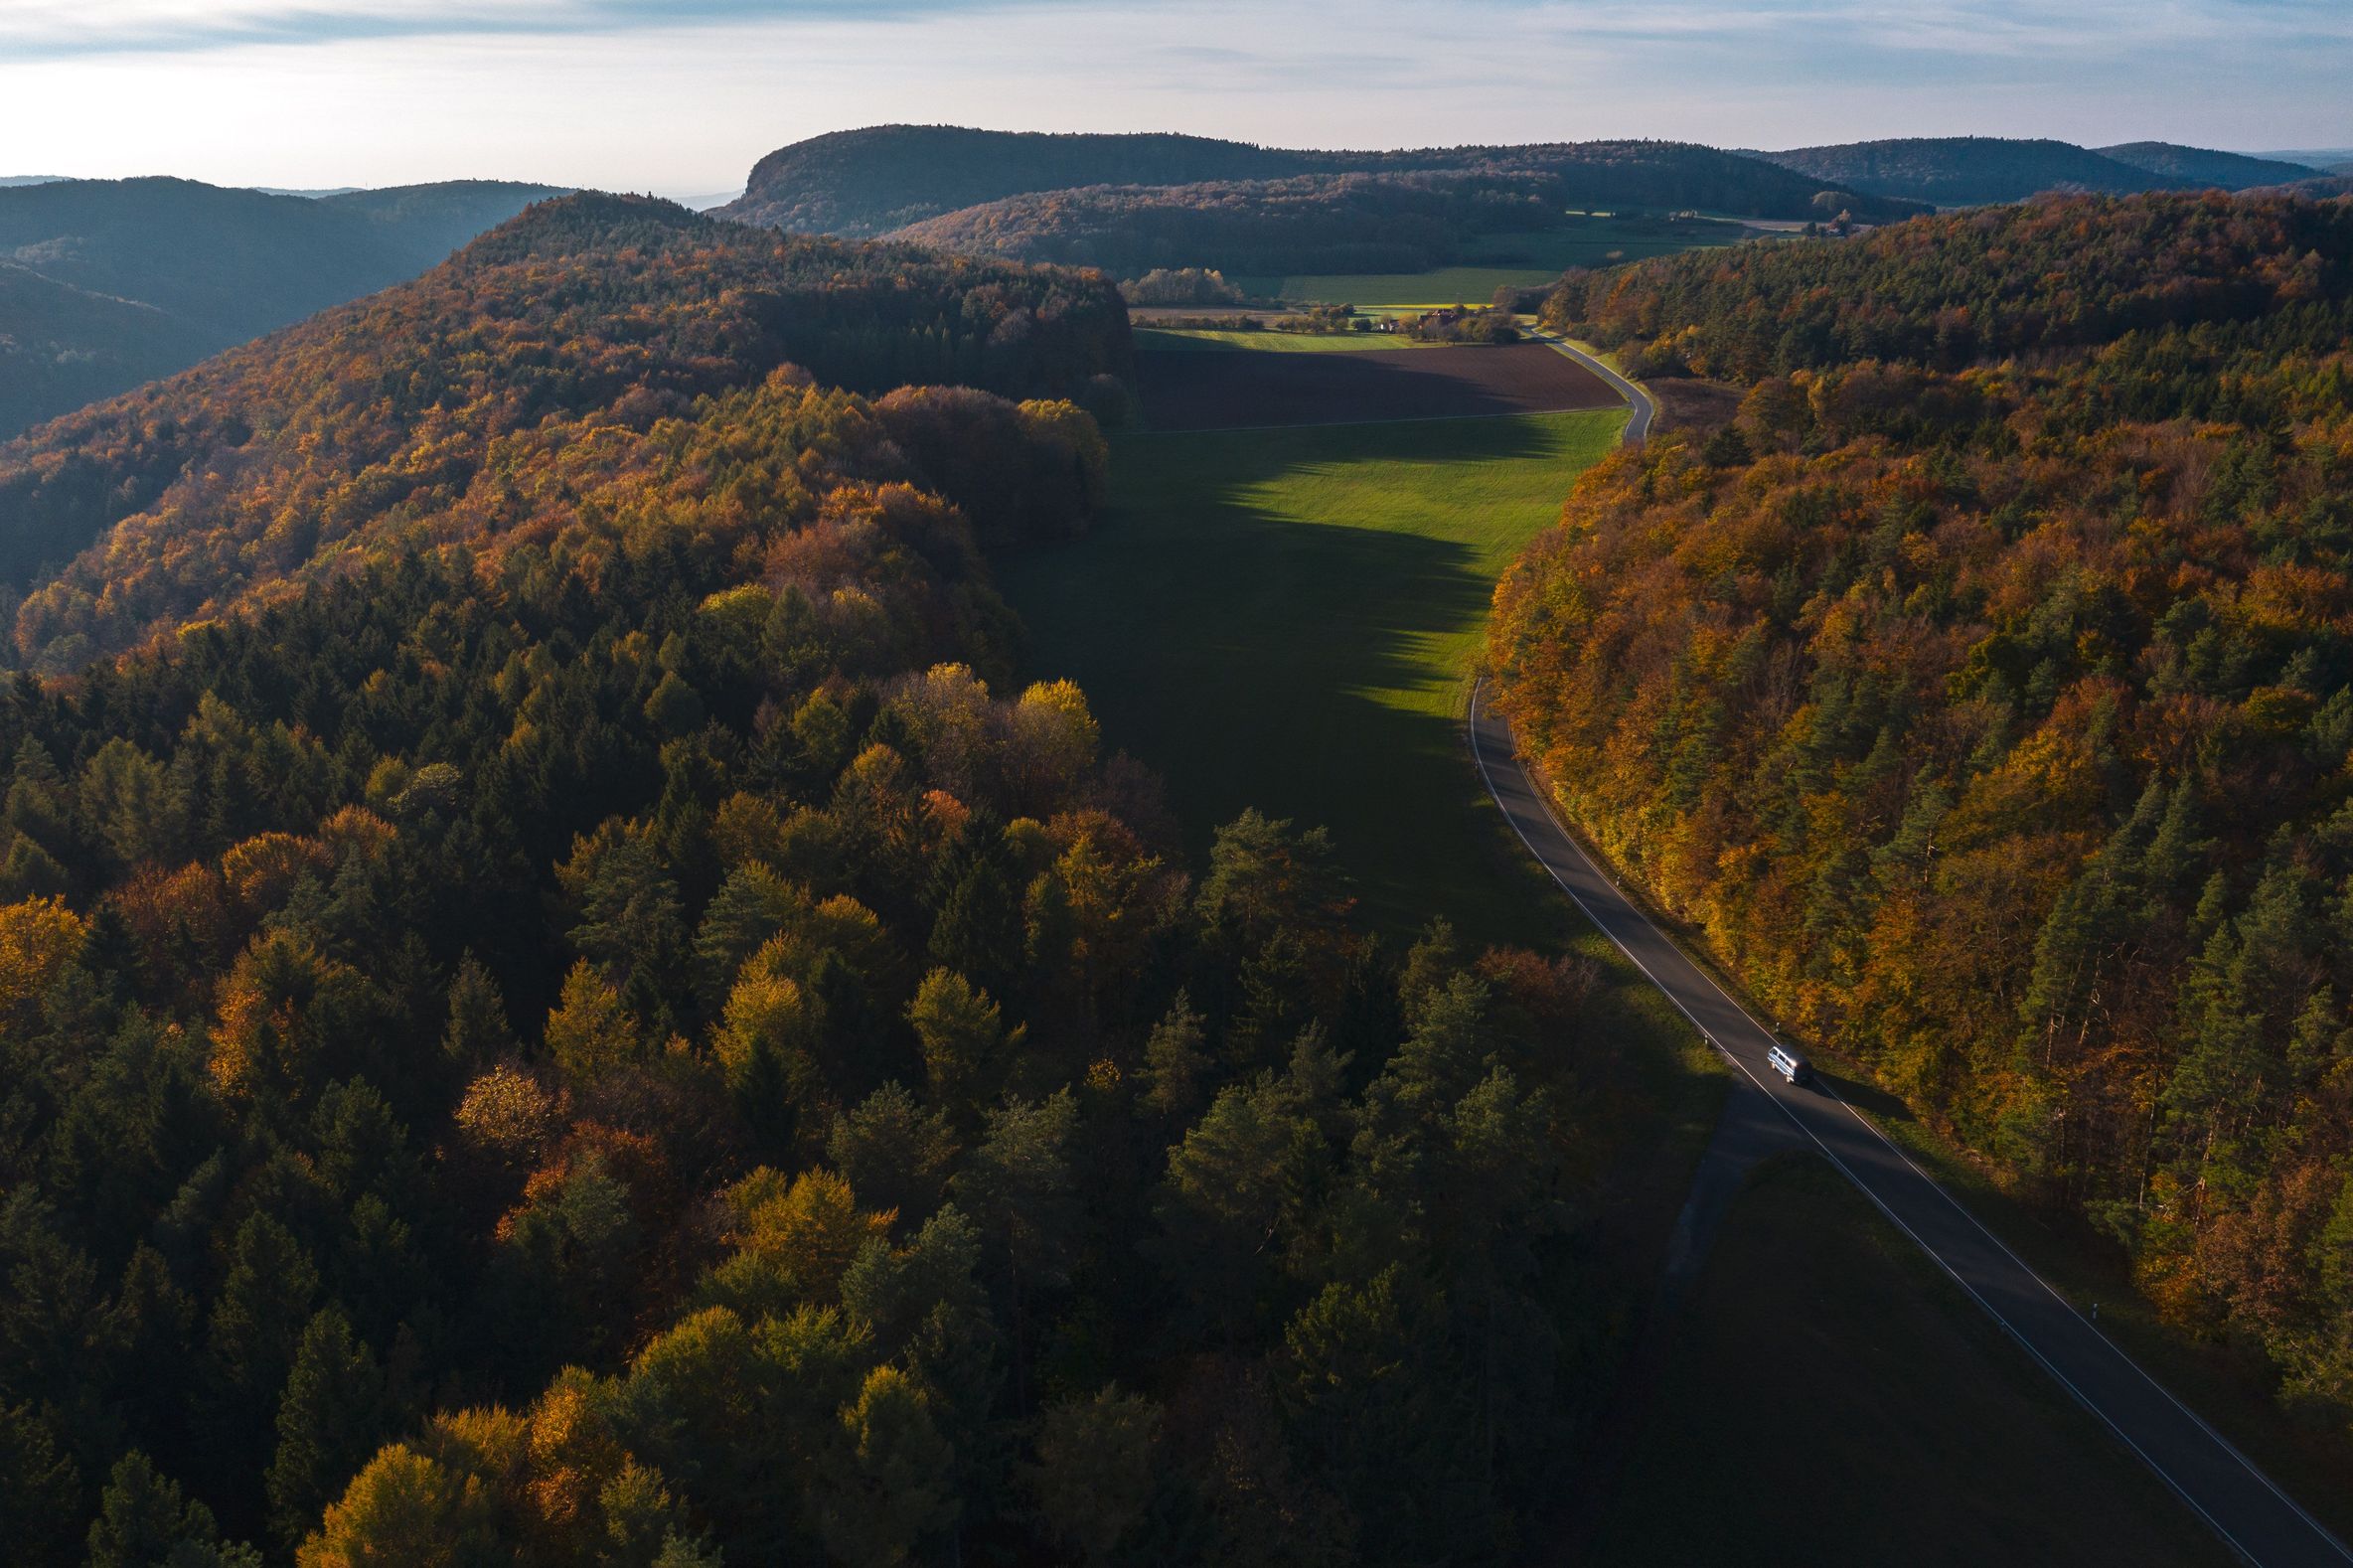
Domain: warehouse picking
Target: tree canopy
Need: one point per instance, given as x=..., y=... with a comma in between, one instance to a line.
x=1986, y=689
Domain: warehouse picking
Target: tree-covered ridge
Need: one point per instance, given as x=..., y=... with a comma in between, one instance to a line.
x=868, y=181
x=889, y=178
x=145, y=277
x=1953, y=170
x=62, y=347
x=2228, y=171
x=2034, y=280
x=512, y=383
x=606, y=1029
x=1310, y=223
x=1402, y=221
x=1996, y=718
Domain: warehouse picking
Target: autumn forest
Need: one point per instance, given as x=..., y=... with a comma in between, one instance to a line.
x=1984, y=691
x=570, y=992
x=561, y=1002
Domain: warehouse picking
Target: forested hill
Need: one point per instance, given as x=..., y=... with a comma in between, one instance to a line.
x=106, y=283
x=2035, y=281
x=2321, y=188
x=1311, y=224
x=873, y=182
x=1959, y=171
x=1394, y=220
x=2228, y=171
x=1985, y=692
x=431, y=407
x=599, y=1026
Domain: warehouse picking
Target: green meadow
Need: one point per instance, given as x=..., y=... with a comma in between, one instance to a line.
x=1498, y=261
x=1287, y=619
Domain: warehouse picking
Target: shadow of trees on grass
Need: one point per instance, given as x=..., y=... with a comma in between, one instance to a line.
x=1256, y=657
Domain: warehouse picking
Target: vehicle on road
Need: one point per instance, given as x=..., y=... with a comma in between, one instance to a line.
x=1795, y=1068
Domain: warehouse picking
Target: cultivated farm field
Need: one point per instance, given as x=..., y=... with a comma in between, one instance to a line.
x=1521, y=261
x=1222, y=391
x=1185, y=340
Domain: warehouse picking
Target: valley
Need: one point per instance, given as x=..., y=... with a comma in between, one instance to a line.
x=1288, y=617
x=1334, y=690
x=1090, y=850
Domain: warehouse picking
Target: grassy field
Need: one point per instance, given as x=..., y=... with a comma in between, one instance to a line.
x=1286, y=619
x=1496, y=260
x=1188, y=340
x=1831, y=1398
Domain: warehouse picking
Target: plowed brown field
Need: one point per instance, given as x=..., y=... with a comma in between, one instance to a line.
x=1220, y=391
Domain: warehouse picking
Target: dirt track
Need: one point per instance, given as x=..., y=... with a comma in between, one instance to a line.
x=1216, y=391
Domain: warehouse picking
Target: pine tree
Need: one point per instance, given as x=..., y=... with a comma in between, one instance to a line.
x=330, y=1420
x=257, y=1325
x=1174, y=1063
x=40, y=1490
x=885, y=1490
x=979, y=932
x=1097, y=1471
x=478, y=1032
x=961, y=1034
x=144, y=1521
x=894, y=1153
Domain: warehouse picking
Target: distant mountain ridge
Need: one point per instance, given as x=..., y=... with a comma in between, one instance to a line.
x=2321, y=188
x=1362, y=222
x=1962, y=171
x=108, y=284
x=2230, y=171
x=861, y=183
x=887, y=178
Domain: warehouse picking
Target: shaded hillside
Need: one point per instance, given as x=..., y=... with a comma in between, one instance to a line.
x=1985, y=693
x=871, y=182
x=1311, y=223
x=2319, y=188
x=1958, y=171
x=2227, y=171
x=62, y=347
x=213, y=268
x=1668, y=175
x=373, y=418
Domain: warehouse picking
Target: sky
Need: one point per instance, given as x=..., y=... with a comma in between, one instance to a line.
x=681, y=97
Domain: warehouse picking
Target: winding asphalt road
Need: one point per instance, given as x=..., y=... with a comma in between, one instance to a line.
x=2219, y=1484
x=1637, y=424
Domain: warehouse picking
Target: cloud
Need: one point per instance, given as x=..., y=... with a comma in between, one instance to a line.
x=687, y=95
x=40, y=28
x=33, y=28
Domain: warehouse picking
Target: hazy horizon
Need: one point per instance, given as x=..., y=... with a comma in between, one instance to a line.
x=681, y=100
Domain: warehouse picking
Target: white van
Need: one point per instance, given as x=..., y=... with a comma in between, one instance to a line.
x=1791, y=1066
